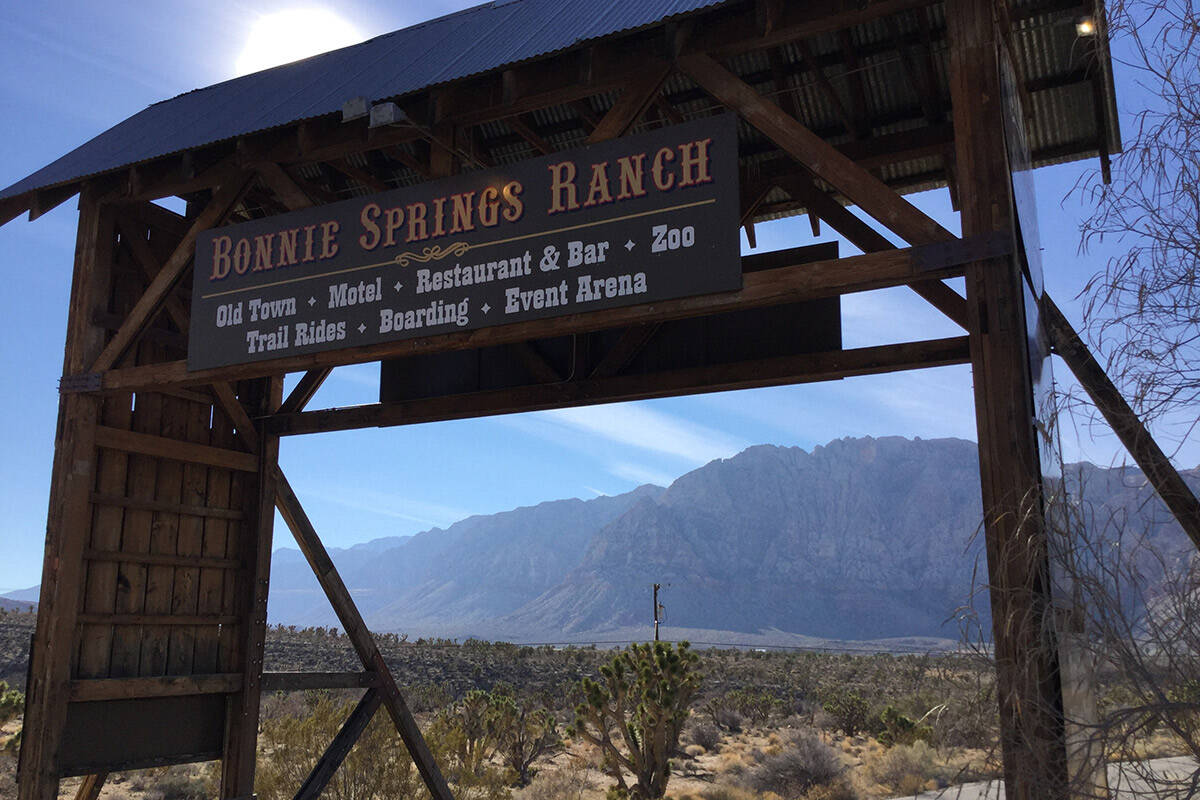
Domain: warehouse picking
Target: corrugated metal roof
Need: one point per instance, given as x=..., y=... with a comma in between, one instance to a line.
x=449, y=48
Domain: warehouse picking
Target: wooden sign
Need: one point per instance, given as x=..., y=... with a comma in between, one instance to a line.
x=635, y=220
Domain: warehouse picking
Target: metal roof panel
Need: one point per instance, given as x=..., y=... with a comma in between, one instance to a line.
x=449, y=48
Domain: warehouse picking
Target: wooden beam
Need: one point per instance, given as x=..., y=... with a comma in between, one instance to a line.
x=340, y=747
x=160, y=559
x=410, y=161
x=835, y=100
x=305, y=389
x=248, y=644
x=70, y=514
x=759, y=289
x=284, y=185
x=825, y=161
x=308, y=681
x=869, y=240
x=46, y=200
x=91, y=786
x=360, y=637
x=1121, y=418
x=780, y=371
x=369, y=181
x=85, y=691
x=176, y=449
x=166, y=508
x=627, y=347
x=635, y=98
x=228, y=402
x=221, y=205
x=1028, y=674
x=526, y=132
x=190, y=620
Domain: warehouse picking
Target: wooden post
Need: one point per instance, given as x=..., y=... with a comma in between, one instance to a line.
x=1029, y=689
x=241, y=722
x=67, y=525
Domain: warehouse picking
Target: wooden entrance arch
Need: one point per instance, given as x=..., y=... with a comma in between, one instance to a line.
x=151, y=627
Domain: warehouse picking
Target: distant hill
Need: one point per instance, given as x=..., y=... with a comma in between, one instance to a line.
x=21, y=599
x=860, y=539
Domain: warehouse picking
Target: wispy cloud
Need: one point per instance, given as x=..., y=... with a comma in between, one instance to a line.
x=640, y=474
x=638, y=426
x=387, y=504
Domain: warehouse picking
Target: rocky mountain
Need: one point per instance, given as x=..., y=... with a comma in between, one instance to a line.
x=859, y=539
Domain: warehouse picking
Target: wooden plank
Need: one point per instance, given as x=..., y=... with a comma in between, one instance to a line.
x=117, y=501
x=211, y=589
x=724, y=377
x=761, y=289
x=91, y=786
x=100, y=596
x=304, y=390
x=635, y=98
x=168, y=686
x=118, y=556
x=69, y=517
x=157, y=619
x=220, y=206
x=189, y=547
x=174, y=449
x=359, y=636
x=823, y=159
x=164, y=540
x=308, y=681
x=340, y=747
x=1029, y=691
x=1175, y=493
x=369, y=181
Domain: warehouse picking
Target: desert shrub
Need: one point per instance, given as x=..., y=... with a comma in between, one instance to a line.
x=906, y=768
x=378, y=768
x=567, y=782
x=425, y=697
x=724, y=714
x=12, y=703
x=804, y=762
x=523, y=734
x=753, y=705
x=851, y=713
x=177, y=783
x=704, y=733
x=725, y=792
x=899, y=728
x=840, y=789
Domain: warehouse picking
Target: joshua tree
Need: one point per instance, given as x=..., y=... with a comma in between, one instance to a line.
x=635, y=713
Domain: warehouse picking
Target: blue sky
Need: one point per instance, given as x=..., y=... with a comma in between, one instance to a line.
x=70, y=69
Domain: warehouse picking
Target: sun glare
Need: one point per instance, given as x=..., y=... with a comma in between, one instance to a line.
x=286, y=36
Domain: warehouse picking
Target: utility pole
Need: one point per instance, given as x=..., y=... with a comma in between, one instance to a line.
x=658, y=608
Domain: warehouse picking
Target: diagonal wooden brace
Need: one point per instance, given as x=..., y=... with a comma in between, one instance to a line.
x=823, y=159
x=360, y=637
x=1125, y=423
x=156, y=294
x=351, y=731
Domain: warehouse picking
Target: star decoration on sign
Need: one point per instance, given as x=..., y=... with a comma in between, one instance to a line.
x=485, y=308
x=399, y=286
x=362, y=328
x=312, y=301
x=629, y=245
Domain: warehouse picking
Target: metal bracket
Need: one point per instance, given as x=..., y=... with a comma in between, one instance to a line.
x=951, y=253
x=87, y=382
